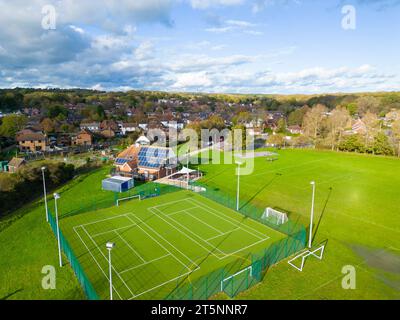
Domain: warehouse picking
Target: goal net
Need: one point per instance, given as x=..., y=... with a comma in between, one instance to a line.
x=275, y=216
x=128, y=198
x=238, y=282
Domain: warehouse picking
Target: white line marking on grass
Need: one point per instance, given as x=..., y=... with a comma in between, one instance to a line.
x=164, y=283
x=97, y=221
x=233, y=221
x=188, y=236
x=111, y=231
x=101, y=269
x=224, y=234
x=177, y=212
x=162, y=244
x=116, y=272
x=148, y=262
x=193, y=216
x=130, y=247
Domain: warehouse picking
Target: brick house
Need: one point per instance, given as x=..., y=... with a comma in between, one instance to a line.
x=84, y=138
x=31, y=141
x=15, y=164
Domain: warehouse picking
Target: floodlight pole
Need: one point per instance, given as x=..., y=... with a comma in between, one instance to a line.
x=312, y=215
x=238, y=187
x=56, y=197
x=109, y=247
x=45, y=195
x=187, y=167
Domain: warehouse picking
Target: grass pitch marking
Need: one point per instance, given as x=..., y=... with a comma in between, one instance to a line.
x=196, y=204
x=130, y=247
x=95, y=260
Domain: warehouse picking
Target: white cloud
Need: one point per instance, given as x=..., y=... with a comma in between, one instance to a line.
x=205, y=4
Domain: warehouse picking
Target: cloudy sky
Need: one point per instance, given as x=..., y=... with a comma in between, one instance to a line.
x=237, y=46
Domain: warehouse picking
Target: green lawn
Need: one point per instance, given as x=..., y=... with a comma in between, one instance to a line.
x=357, y=213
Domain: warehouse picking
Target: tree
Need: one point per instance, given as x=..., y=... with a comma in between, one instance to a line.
x=366, y=104
x=12, y=124
x=371, y=123
x=276, y=140
x=337, y=123
x=381, y=145
x=313, y=122
x=296, y=117
x=48, y=125
x=352, y=143
x=396, y=134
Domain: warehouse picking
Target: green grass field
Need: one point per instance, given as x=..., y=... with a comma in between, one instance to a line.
x=160, y=242
x=357, y=213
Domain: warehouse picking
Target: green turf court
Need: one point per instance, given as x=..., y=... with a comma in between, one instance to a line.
x=161, y=242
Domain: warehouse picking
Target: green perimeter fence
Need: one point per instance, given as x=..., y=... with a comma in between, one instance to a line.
x=248, y=270
x=78, y=270
x=237, y=276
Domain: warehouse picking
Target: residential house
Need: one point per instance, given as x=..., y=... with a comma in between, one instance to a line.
x=30, y=140
x=126, y=162
x=15, y=164
x=84, y=138
x=296, y=129
x=91, y=126
x=359, y=127
x=126, y=128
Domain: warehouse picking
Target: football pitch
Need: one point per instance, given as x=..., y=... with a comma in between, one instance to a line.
x=161, y=242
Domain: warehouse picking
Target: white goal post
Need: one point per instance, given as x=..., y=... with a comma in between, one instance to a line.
x=129, y=198
x=272, y=214
x=236, y=274
x=305, y=254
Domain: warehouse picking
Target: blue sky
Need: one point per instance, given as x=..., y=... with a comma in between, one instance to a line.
x=234, y=46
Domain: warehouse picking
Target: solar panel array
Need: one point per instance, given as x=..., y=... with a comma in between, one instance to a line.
x=121, y=161
x=153, y=157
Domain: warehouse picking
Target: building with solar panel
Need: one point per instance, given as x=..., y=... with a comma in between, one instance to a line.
x=146, y=162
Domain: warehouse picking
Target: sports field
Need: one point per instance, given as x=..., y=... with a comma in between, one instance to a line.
x=161, y=242
x=357, y=214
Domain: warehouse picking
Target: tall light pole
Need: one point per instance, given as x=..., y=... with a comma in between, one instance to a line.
x=110, y=246
x=187, y=167
x=312, y=215
x=45, y=195
x=238, y=186
x=56, y=197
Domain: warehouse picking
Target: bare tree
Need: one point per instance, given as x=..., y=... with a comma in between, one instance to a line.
x=371, y=123
x=367, y=103
x=337, y=123
x=396, y=134
x=313, y=121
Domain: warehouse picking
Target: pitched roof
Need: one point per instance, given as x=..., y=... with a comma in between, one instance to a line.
x=16, y=162
x=30, y=137
x=129, y=153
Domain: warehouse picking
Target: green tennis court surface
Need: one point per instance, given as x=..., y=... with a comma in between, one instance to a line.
x=161, y=242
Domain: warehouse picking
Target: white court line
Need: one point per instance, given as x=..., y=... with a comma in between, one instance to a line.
x=97, y=221
x=143, y=264
x=130, y=247
x=242, y=226
x=90, y=252
x=111, y=231
x=164, y=283
x=116, y=272
x=177, y=212
x=193, y=216
x=224, y=234
x=188, y=236
x=164, y=240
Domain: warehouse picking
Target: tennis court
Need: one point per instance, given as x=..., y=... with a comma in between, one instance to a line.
x=161, y=242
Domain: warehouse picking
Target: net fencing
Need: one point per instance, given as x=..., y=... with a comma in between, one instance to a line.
x=78, y=270
x=248, y=270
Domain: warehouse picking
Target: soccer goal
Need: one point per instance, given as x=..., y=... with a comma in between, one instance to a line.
x=318, y=253
x=128, y=198
x=275, y=216
x=237, y=282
